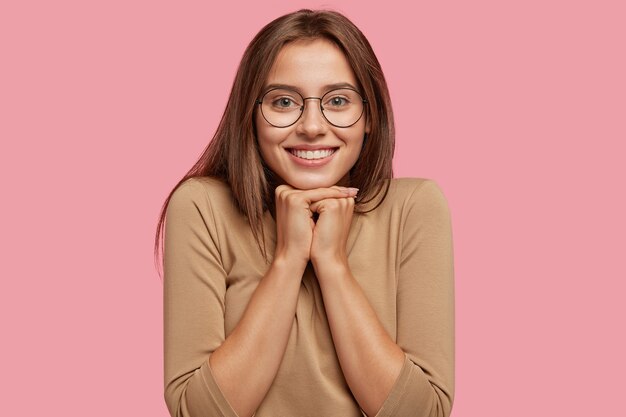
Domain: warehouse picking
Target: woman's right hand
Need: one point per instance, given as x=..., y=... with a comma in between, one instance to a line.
x=294, y=220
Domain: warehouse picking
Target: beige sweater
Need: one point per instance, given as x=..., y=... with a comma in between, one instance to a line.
x=402, y=256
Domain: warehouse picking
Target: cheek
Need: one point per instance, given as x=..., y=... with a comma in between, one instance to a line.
x=262, y=134
x=356, y=140
x=269, y=140
x=356, y=144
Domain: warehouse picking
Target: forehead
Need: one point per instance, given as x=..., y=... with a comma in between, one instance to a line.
x=311, y=65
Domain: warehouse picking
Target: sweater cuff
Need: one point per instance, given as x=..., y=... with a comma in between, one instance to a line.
x=408, y=387
x=213, y=392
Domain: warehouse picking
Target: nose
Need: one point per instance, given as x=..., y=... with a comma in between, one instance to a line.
x=312, y=122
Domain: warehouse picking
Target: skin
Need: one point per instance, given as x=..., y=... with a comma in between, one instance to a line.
x=369, y=358
x=311, y=66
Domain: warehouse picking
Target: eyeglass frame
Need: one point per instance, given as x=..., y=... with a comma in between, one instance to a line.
x=260, y=102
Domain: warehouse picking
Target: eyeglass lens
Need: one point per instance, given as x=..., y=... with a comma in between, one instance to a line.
x=283, y=107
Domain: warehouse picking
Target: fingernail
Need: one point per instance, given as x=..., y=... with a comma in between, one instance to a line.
x=354, y=190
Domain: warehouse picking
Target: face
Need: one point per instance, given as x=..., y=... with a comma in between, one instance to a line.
x=310, y=67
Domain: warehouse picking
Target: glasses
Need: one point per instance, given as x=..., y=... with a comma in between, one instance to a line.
x=282, y=107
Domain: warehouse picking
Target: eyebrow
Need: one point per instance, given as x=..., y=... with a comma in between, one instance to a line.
x=327, y=87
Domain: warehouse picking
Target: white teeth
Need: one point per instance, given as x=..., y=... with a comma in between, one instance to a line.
x=317, y=154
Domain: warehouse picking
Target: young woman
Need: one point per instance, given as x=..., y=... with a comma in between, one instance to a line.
x=301, y=279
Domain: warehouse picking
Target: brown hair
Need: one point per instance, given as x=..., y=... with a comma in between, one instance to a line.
x=233, y=155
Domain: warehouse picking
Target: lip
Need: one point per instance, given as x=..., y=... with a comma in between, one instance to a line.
x=306, y=147
x=312, y=163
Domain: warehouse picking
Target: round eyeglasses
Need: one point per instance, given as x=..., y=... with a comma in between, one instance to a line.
x=282, y=107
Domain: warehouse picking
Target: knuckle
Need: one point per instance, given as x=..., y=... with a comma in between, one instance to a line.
x=279, y=190
x=283, y=187
x=292, y=198
x=333, y=203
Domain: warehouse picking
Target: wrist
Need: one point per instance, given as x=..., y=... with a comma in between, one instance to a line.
x=289, y=263
x=330, y=265
x=329, y=256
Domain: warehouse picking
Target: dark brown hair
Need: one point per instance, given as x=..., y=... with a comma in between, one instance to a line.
x=233, y=155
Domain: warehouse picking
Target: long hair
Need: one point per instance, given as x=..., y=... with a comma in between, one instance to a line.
x=233, y=155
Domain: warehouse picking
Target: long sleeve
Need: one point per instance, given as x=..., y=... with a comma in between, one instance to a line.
x=212, y=266
x=193, y=305
x=425, y=309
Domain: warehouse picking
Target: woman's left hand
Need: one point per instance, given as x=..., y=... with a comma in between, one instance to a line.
x=330, y=234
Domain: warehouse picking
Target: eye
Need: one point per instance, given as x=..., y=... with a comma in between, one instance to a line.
x=337, y=101
x=282, y=100
x=284, y=103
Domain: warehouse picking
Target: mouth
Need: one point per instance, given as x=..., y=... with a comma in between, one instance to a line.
x=312, y=155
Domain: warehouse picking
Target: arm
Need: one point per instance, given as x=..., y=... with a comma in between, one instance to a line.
x=370, y=360
x=415, y=375
x=246, y=363
x=206, y=374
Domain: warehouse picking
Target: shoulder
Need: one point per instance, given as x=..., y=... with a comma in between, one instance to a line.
x=202, y=185
x=424, y=192
x=424, y=215
x=204, y=193
x=409, y=199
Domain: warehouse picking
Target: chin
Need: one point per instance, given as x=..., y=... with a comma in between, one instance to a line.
x=303, y=184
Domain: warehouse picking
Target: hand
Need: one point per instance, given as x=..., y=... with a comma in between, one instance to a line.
x=331, y=231
x=294, y=219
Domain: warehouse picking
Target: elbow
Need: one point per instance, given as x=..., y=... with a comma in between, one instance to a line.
x=173, y=397
x=195, y=396
x=176, y=396
x=442, y=401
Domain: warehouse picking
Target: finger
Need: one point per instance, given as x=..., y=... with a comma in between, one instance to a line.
x=332, y=202
x=318, y=194
x=282, y=189
x=349, y=190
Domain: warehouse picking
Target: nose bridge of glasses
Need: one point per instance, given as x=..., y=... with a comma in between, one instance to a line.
x=303, y=108
x=311, y=98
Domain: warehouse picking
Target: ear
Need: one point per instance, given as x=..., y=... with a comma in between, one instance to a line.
x=368, y=125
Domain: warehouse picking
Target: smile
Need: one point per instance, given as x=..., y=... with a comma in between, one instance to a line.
x=312, y=155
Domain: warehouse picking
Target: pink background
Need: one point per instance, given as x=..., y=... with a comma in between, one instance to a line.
x=517, y=110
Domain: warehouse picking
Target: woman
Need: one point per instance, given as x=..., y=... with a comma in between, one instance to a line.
x=300, y=278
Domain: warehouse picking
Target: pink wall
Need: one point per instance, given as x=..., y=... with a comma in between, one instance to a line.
x=517, y=111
